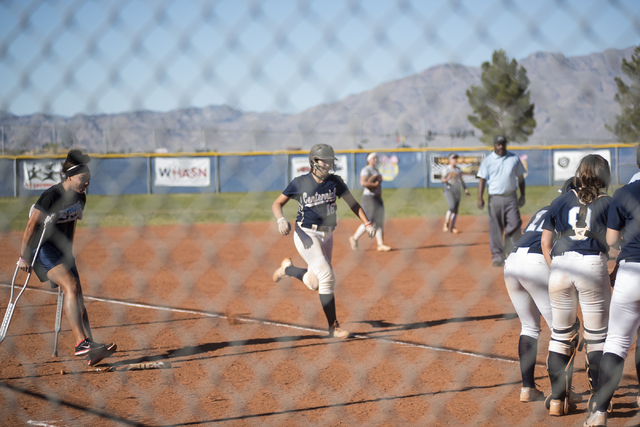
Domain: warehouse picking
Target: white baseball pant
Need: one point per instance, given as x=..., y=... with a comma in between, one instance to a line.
x=316, y=251
x=625, y=310
x=526, y=276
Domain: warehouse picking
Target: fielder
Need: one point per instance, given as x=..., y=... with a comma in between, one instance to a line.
x=317, y=193
x=55, y=261
x=453, y=185
x=372, y=203
x=623, y=228
x=579, y=276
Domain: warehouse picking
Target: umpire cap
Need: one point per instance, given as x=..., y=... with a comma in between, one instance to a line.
x=499, y=139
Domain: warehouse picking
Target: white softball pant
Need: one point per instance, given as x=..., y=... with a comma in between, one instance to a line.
x=625, y=310
x=527, y=278
x=579, y=280
x=316, y=251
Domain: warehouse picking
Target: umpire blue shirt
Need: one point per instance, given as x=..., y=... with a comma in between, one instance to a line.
x=501, y=172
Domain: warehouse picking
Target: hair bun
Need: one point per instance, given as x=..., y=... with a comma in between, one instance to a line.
x=78, y=158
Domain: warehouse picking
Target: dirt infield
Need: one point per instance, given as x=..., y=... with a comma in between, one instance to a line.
x=435, y=335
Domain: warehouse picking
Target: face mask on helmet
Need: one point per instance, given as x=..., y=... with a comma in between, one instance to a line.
x=324, y=167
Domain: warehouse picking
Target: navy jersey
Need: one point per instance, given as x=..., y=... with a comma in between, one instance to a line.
x=533, y=233
x=68, y=207
x=624, y=215
x=316, y=201
x=562, y=216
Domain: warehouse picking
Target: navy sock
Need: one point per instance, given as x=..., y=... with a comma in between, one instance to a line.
x=527, y=352
x=557, y=363
x=329, y=307
x=296, y=272
x=611, y=368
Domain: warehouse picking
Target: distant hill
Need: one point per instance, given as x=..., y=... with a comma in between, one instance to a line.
x=573, y=100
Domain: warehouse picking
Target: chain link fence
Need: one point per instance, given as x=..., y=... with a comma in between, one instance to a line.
x=187, y=279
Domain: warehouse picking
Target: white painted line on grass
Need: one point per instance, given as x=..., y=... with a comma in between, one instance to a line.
x=282, y=325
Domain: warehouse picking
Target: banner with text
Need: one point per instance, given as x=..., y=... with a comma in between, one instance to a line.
x=468, y=164
x=182, y=172
x=41, y=175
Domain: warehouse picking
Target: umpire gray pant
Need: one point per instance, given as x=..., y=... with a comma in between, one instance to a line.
x=504, y=220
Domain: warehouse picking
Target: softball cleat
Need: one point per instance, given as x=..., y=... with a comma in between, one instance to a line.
x=280, y=273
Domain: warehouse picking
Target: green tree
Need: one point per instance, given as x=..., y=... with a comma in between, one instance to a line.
x=627, y=127
x=501, y=104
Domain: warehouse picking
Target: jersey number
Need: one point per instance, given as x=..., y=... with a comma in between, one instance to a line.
x=536, y=223
x=573, y=218
x=331, y=209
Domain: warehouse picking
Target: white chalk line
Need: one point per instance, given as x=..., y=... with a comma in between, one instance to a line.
x=278, y=324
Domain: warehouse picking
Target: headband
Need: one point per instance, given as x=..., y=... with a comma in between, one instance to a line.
x=371, y=155
x=76, y=170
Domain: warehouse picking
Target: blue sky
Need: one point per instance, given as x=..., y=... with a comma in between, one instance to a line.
x=102, y=56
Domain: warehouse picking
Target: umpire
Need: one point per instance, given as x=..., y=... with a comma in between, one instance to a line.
x=499, y=172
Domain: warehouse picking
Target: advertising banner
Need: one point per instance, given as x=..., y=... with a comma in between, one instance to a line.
x=182, y=172
x=565, y=162
x=300, y=166
x=469, y=164
x=41, y=175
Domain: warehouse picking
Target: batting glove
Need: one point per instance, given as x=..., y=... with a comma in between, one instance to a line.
x=283, y=226
x=371, y=229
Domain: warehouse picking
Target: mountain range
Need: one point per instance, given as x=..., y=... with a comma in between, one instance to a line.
x=573, y=99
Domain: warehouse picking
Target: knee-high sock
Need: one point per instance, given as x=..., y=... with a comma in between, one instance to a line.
x=557, y=363
x=379, y=237
x=359, y=232
x=447, y=217
x=594, y=359
x=453, y=219
x=296, y=272
x=527, y=352
x=611, y=368
x=329, y=306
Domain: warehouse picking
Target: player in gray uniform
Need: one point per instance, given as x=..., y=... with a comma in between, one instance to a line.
x=453, y=186
x=372, y=203
x=317, y=193
x=623, y=228
x=577, y=222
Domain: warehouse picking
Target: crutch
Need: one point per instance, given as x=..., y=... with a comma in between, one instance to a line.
x=58, y=319
x=12, y=303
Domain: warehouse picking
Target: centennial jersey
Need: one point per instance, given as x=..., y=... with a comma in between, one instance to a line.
x=68, y=207
x=533, y=233
x=316, y=201
x=368, y=172
x=624, y=215
x=563, y=215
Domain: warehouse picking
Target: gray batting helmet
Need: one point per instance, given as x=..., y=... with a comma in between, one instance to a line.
x=322, y=152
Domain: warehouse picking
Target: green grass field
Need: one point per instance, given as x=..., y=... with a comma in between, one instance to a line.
x=166, y=209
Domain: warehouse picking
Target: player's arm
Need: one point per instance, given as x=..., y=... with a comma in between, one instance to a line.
x=30, y=230
x=546, y=243
x=283, y=225
x=464, y=185
x=521, y=185
x=481, y=184
x=613, y=238
x=359, y=212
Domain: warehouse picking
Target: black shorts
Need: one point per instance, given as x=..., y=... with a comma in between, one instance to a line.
x=48, y=257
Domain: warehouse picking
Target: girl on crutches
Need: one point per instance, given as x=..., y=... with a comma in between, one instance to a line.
x=55, y=261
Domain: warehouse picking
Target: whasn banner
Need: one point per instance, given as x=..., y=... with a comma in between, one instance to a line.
x=182, y=172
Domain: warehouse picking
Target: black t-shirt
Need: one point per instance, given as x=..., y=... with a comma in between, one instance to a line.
x=533, y=232
x=624, y=215
x=316, y=201
x=68, y=207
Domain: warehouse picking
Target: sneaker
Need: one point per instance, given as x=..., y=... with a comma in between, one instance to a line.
x=93, y=358
x=280, y=274
x=530, y=394
x=353, y=243
x=454, y=231
x=384, y=248
x=445, y=228
x=596, y=419
x=86, y=345
x=556, y=407
x=335, y=331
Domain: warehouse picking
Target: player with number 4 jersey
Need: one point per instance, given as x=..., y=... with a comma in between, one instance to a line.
x=317, y=193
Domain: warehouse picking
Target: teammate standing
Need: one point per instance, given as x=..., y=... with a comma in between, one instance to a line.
x=503, y=173
x=372, y=203
x=453, y=185
x=55, y=261
x=579, y=275
x=623, y=228
x=317, y=193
